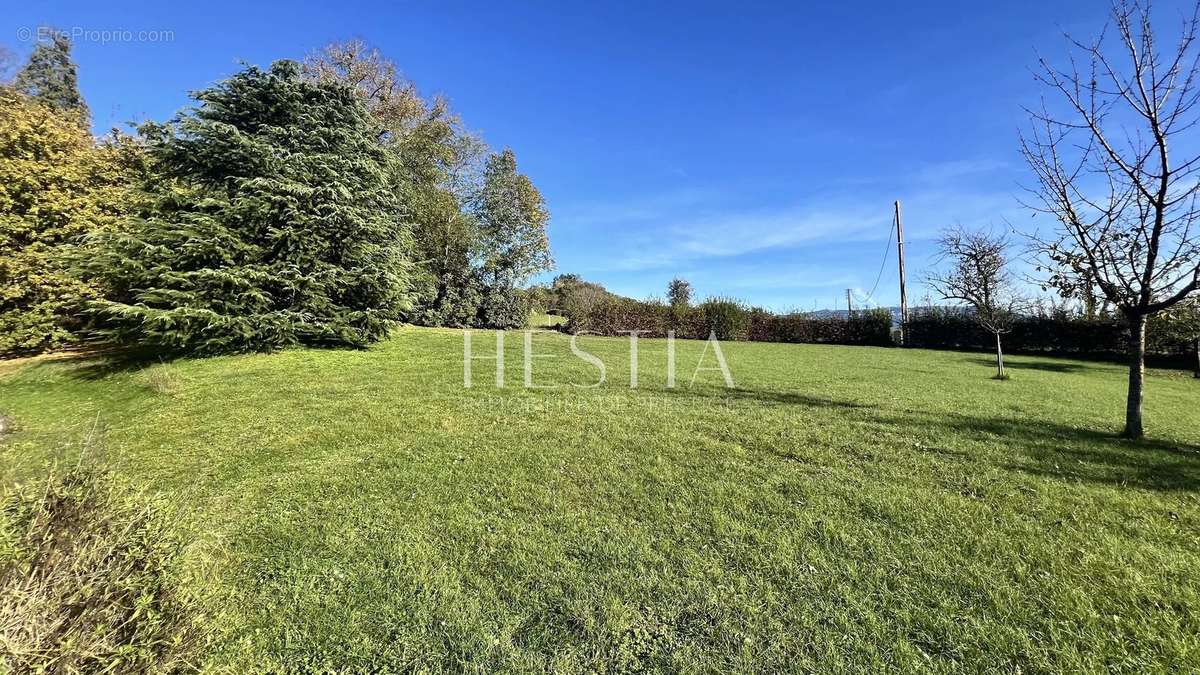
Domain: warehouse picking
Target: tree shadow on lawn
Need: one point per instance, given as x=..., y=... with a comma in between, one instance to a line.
x=1069, y=453
x=87, y=362
x=81, y=360
x=761, y=396
x=1054, y=450
x=1045, y=366
x=99, y=368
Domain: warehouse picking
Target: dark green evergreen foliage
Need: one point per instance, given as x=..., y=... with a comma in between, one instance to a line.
x=270, y=224
x=503, y=307
x=449, y=297
x=460, y=298
x=50, y=77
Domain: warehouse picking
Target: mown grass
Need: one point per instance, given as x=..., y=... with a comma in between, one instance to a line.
x=840, y=509
x=546, y=320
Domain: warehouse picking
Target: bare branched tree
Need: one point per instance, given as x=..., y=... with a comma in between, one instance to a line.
x=976, y=273
x=1126, y=206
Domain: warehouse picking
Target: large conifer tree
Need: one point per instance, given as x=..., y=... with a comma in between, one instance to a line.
x=434, y=173
x=269, y=224
x=51, y=77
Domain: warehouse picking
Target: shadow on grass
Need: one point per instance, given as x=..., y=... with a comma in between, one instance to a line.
x=1049, y=367
x=1050, y=449
x=1069, y=453
x=99, y=364
x=92, y=362
x=771, y=397
x=72, y=356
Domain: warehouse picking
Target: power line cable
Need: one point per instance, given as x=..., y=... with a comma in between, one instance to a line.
x=886, y=254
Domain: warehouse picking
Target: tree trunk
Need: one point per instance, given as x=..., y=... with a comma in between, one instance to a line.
x=1196, y=345
x=1137, y=377
x=999, y=359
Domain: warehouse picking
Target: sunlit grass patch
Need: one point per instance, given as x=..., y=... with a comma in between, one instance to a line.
x=839, y=508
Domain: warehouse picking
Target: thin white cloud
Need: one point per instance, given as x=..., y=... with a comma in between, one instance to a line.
x=729, y=235
x=640, y=210
x=942, y=172
x=701, y=234
x=735, y=234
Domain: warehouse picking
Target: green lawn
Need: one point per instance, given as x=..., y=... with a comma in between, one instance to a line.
x=546, y=320
x=843, y=508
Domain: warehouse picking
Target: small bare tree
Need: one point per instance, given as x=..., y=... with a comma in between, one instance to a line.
x=1126, y=207
x=977, y=274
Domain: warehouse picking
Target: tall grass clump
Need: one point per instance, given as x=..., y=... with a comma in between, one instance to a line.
x=87, y=580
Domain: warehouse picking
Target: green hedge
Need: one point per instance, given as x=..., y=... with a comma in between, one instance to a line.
x=930, y=328
x=728, y=319
x=872, y=327
x=1103, y=338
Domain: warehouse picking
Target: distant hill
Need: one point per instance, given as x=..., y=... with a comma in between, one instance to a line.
x=841, y=313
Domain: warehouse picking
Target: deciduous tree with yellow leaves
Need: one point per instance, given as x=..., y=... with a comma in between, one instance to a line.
x=56, y=185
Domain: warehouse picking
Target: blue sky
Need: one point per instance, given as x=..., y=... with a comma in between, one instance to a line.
x=754, y=149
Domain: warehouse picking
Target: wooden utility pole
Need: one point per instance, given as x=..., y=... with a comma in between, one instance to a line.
x=849, y=304
x=903, y=290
